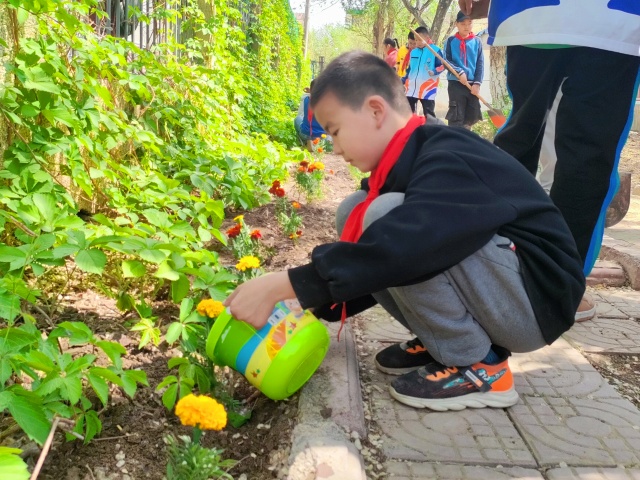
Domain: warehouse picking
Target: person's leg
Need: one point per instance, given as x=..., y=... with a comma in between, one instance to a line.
x=297, y=122
x=413, y=101
x=457, y=102
x=428, y=107
x=472, y=112
x=482, y=309
x=534, y=76
x=592, y=125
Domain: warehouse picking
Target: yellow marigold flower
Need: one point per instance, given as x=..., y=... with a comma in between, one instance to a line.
x=239, y=218
x=324, y=135
x=202, y=412
x=318, y=165
x=248, y=262
x=210, y=308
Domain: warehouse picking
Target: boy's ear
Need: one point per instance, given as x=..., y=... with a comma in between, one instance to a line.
x=378, y=107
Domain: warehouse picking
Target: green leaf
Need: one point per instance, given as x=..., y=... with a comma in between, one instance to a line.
x=72, y=388
x=9, y=306
x=170, y=396
x=11, y=254
x=107, y=375
x=91, y=261
x=47, y=206
x=93, y=425
x=152, y=255
x=166, y=271
x=99, y=386
x=12, y=466
x=173, y=332
x=31, y=418
x=180, y=288
x=168, y=380
x=133, y=269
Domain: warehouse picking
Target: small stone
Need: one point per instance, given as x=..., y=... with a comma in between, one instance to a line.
x=120, y=464
x=357, y=443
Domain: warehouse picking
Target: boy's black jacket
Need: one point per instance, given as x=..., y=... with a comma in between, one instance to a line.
x=460, y=190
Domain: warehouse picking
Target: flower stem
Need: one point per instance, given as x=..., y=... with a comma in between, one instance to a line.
x=197, y=433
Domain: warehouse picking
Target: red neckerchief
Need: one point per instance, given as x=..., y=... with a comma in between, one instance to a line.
x=310, y=117
x=353, y=226
x=463, y=45
x=405, y=62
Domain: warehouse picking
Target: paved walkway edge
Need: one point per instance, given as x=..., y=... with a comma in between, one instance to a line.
x=330, y=406
x=626, y=254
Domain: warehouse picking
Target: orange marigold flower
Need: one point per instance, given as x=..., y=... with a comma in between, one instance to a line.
x=320, y=150
x=279, y=192
x=311, y=168
x=295, y=205
x=274, y=187
x=316, y=141
x=210, y=308
x=304, y=164
x=202, y=412
x=302, y=169
x=234, y=231
x=255, y=235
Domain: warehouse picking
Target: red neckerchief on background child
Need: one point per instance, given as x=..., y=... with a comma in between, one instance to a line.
x=353, y=227
x=463, y=45
x=310, y=117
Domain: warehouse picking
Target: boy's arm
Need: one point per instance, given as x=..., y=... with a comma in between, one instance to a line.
x=478, y=75
x=253, y=301
x=437, y=64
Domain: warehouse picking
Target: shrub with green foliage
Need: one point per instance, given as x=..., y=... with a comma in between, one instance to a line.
x=120, y=166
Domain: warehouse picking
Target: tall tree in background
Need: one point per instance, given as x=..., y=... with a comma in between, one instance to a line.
x=422, y=8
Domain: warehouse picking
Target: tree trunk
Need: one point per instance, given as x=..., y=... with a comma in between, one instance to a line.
x=499, y=94
x=379, y=27
x=438, y=20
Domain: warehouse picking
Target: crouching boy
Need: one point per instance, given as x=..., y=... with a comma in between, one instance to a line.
x=452, y=236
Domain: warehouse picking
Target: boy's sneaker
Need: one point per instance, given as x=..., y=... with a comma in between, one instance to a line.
x=441, y=388
x=403, y=358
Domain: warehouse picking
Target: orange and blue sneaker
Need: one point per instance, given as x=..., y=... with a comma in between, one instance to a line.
x=403, y=358
x=442, y=388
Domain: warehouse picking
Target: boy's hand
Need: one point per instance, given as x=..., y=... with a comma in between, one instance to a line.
x=253, y=301
x=474, y=8
x=431, y=72
x=463, y=79
x=475, y=89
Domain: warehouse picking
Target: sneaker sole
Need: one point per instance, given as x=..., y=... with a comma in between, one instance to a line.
x=473, y=400
x=395, y=371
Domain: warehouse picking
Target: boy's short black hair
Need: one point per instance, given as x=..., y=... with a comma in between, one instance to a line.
x=354, y=76
x=411, y=36
x=422, y=30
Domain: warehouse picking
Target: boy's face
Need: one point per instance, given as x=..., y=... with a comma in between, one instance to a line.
x=411, y=44
x=464, y=27
x=355, y=133
x=420, y=43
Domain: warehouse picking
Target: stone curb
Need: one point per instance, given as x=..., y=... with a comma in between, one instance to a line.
x=624, y=253
x=330, y=405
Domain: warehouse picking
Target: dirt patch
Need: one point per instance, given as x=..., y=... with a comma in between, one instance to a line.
x=630, y=160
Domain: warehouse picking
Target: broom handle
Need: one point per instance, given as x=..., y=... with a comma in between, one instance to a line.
x=451, y=69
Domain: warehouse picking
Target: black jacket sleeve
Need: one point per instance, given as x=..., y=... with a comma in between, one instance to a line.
x=448, y=214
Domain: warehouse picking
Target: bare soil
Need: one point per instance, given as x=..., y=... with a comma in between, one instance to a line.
x=133, y=430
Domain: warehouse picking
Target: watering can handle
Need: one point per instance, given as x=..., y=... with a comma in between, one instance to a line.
x=218, y=326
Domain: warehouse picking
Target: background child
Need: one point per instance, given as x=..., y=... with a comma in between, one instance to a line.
x=422, y=75
x=391, y=52
x=305, y=123
x=402, y=59
x=453, y=237
x=464, y=52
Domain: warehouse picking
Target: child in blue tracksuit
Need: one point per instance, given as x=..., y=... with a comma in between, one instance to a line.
x=422, y=75
x=464, y=52
x=305, y=123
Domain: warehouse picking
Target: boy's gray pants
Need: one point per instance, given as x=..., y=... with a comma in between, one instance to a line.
x=459, y=313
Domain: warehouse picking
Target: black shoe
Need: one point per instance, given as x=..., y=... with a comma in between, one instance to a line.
x=442, y=388
x=402, y=358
